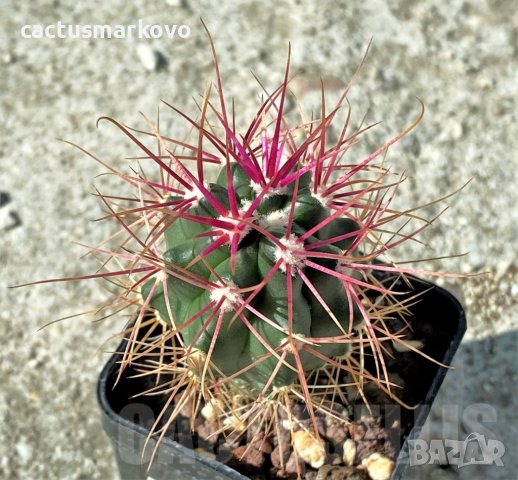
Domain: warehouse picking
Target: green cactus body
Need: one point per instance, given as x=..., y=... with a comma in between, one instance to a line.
x=236, y=347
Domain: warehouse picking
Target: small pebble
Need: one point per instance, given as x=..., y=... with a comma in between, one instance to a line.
x=7, y=220
x=249, y=455
x=212, y=409
x=295, y=465
x=309, y=449
x=289, y=425
x=278, y=460
x=24, y=451
x=207, y=431
x=151, y=59
x=235, y=424
x=378, y=466
x=7, y=58
x=336, y=434
x=349, y=451
x=452, y=130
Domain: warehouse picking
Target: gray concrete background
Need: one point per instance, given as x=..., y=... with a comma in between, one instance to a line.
x=460, y=57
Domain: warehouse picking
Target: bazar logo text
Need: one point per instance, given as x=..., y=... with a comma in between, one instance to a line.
x=137, y=30
x=473, y=450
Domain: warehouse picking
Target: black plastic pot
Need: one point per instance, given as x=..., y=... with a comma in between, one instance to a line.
x=127, y=421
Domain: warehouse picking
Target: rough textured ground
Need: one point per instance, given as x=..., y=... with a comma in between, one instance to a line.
x=459, y=57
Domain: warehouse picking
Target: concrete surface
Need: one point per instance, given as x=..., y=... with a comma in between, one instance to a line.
x=460, y=57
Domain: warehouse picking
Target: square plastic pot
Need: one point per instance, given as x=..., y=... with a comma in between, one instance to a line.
x=127, y=420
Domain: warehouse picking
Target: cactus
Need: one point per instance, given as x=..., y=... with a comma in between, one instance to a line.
x=269, y=272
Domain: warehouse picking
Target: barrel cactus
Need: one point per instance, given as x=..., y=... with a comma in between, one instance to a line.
x=258, y=253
